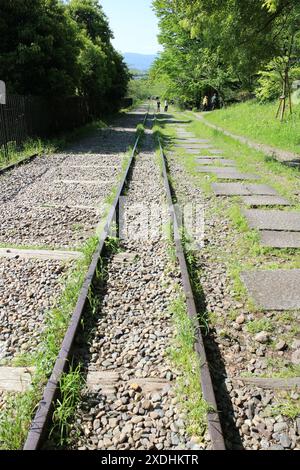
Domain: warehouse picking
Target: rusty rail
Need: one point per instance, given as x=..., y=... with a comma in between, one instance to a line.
x=39, y=424
x=214, y=424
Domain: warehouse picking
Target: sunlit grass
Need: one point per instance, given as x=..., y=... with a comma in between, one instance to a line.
x=258, y=121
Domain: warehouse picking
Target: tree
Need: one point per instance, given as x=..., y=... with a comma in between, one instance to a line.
x=221, y=44
x=39, y=48
x=105, y=76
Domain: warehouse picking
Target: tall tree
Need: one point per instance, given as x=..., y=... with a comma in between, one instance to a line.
x=226, y=42
x=104, y=74
x=38, y=48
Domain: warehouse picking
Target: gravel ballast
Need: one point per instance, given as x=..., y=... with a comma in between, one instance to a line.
x=138, y=410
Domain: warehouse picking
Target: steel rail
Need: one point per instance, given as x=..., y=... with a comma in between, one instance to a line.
x=214, y=424
x=39, y=424
x=23, y=161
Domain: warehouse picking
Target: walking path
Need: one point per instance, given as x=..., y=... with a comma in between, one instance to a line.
x=259, y=341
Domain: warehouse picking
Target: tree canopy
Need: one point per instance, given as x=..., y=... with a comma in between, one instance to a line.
x=222, y=45
x=56, y=48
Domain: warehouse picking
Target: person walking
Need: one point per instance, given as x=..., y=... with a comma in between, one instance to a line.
x=205, y=103
x=158, y=105
x=166, y=106
x=214, y=102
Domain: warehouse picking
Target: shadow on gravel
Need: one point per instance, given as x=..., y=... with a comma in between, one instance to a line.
x=109, y=140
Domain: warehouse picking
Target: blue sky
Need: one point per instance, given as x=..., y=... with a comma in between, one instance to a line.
x=134, y=25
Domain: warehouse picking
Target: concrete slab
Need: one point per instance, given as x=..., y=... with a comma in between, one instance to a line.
x=214, y=157
x=265, y=201
x=216, y=151
x=195, y=151
x=273, y=220
x=193, y=141
x=261, y=189
x=215, y=161
x=15, y=379
x=191, y=146
x=230, y=189
x=274, y=290
x=236, y=176
x=39, y=254
x=238, y=189
x=215, y=169
x=275, y=239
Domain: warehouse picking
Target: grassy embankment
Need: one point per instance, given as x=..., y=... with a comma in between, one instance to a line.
x=258, y=122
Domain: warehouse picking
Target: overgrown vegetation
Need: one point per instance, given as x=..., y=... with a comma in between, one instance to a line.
x=186, y=360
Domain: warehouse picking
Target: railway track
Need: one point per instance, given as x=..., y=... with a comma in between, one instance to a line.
x=135, y=388
x=50, y=211
x=129, y=400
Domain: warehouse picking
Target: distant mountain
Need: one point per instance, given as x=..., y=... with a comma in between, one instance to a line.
x=141, y=62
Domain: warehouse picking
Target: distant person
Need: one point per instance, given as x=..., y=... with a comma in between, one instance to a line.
x=166, y=106
x=205, y=103
x=158, y=106
x=214, y=102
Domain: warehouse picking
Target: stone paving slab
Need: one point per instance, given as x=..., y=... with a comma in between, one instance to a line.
x=217, y=151
x=214, y=161
x=273, y=220
x=274, y=290
x=187, y=145
x=216, y=169
x=238, y=189
x=276, y=239
x=196, y=151
x=193, y=141
x=265, y=201
x=235, y=175
x=220, y=157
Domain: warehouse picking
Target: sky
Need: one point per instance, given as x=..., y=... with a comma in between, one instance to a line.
x=134, y=25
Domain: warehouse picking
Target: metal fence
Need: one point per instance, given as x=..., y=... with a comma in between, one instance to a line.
x=23, y=117
x=28, y=116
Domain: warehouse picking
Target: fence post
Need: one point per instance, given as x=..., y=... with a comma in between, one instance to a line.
x=2, y=117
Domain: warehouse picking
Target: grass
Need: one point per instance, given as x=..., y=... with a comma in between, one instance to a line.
x=257, y=121
x=262, y=324
x=286, y=406
x=186, y=360
x=29, y=147
x=70, y=387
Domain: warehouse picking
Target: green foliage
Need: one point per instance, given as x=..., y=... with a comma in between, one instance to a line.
x=39, y=48
x=51, y=48
x=221, y=45
x=70, y=387
x=263, y=324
